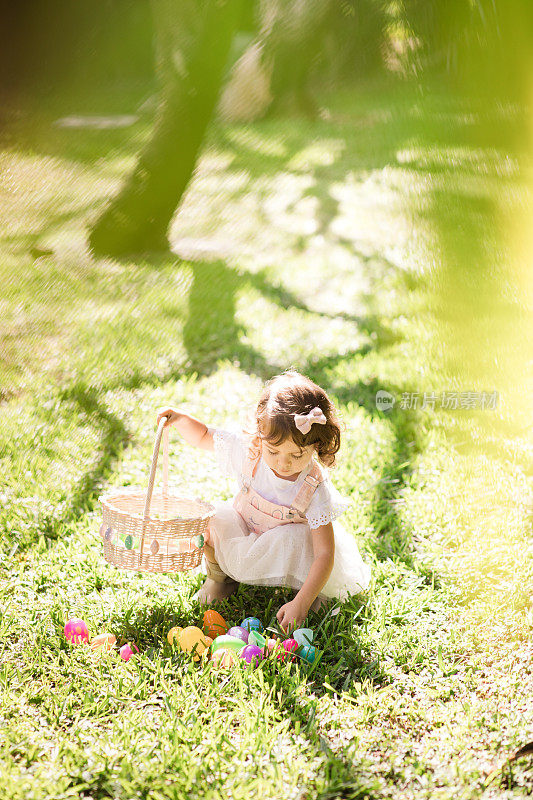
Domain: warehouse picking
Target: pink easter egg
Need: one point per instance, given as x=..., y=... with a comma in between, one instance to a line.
x=126, y=651
x=289, y=645
x=76, y=631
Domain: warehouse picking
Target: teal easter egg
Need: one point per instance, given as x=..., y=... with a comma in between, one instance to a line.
x=303, y=636
x=308, y=653
x=226, y=642
x=252, y=624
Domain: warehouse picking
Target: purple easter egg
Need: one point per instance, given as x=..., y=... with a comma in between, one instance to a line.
x=239, y=633
x=251, y=653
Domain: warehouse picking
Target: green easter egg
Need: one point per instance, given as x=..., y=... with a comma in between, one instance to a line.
x=128, y=542
x=200, y=540
x=227, y=643
x=256, y=638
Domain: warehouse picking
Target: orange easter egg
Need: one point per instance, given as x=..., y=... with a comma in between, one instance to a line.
x=214, y=624
x=224, y=659
x=104, y=641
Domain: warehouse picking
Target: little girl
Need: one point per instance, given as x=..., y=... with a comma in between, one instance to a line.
x=279, y=529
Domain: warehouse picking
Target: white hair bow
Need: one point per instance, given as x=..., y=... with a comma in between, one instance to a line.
x=304, y=421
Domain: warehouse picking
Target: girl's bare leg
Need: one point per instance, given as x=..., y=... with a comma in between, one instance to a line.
x=211, y=589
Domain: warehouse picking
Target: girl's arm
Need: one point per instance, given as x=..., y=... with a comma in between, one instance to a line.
x=193, y=431
x=292, y=614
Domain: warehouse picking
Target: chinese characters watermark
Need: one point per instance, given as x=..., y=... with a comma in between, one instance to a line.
x=449, y=400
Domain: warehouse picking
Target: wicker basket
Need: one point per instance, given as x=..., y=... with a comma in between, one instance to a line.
x=154, y=532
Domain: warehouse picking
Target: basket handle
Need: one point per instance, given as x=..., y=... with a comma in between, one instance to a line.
x=160, y=431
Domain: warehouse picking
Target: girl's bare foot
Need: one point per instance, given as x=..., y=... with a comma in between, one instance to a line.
x=211, y=591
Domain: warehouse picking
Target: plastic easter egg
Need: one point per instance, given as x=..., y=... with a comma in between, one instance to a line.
x=303, y=636
x=273, y=644
x=239, y=633
x=173, y=634
x=126, y=651
x=257, y=638
x=214, y=624
x=307, y=653
x=154, y=547
x=192, y=640
x=227, y=643
x=251, y=653
x=104, y=641
x=224, y=659
x=288, y=647
x=76, y=631
x=252, y=624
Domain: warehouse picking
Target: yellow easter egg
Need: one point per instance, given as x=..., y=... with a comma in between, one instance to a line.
x=192, y=640
x=173, y=634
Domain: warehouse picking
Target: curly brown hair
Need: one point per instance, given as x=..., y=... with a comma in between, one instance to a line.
x=292, y=393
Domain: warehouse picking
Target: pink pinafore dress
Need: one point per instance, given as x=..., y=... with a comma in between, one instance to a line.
x=262, y=515
x=264, y=543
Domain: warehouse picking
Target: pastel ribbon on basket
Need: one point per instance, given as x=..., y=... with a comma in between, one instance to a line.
x=304, y=421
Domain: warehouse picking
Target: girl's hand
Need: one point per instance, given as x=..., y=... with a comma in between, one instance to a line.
x=172, y=415
x=291, y=615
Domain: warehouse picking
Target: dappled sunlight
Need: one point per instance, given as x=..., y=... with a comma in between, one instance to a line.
x=318, y=154
x=289, y=336
x=267, y=145
x=375, y=250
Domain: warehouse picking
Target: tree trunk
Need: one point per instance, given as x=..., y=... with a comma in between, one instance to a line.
x=192, y=43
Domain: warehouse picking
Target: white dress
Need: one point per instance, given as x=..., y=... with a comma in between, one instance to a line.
x=281, y=556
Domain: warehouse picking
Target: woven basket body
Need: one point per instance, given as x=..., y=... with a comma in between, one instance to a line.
x=154, y=532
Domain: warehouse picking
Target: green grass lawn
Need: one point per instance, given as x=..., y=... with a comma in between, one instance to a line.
x=367, y=249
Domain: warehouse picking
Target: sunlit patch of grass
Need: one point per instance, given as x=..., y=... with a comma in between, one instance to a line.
x=295, y=253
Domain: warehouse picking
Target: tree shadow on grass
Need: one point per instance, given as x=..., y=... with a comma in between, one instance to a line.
x=114, y=437
x=212, y=332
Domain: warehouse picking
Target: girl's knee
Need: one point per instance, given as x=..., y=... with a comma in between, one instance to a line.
x=209, y=552
x=224, y=519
